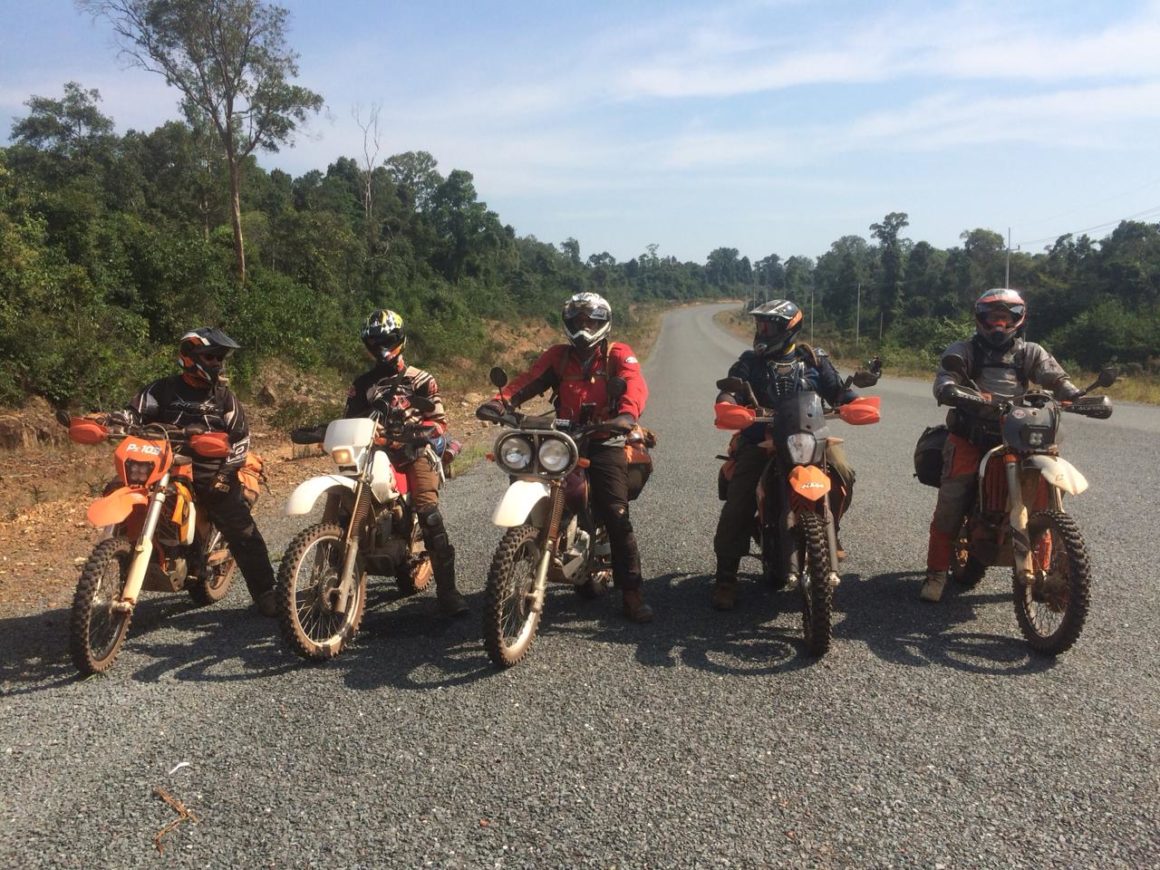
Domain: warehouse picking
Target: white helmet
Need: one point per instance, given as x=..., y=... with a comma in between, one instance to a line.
x=587, y=319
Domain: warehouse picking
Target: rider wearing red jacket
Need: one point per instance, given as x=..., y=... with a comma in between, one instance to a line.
x=578, y=372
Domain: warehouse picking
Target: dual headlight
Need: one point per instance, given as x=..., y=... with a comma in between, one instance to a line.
x=520, y=454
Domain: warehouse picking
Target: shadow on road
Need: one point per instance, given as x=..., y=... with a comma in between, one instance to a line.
x=884, y=612
x=406, y=644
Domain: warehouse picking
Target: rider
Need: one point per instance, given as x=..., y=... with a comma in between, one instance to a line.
x=578, y=373
x=775, y=368
x=1000, y=363
x=391, y=383
x=200, y=395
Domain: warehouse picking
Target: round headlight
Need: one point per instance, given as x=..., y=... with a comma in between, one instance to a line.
x=555, y=455
x=516, y=453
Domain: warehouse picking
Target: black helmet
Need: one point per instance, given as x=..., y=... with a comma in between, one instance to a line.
x=383, y=334
x=587, y=319
x=776, y=324
x=202, y=353
x=1000, y=315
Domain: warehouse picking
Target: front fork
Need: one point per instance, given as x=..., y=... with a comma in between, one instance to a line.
x=143, y=549
x=548, y=537
x=358, y=521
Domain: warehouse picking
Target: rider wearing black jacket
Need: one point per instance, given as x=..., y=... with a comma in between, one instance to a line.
x=199, y=395
x=775, y=368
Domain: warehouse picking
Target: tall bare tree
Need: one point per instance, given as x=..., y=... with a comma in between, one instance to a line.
x=230, y=61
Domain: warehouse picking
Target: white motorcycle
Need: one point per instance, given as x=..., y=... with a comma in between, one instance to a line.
x=551, y=534
x=368, y=527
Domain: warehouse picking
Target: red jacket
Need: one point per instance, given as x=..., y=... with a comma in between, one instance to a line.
x=578, y=383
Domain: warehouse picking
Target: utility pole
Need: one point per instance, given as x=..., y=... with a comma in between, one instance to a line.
x=858, y=314
x=811, y=314
x=1007, y=279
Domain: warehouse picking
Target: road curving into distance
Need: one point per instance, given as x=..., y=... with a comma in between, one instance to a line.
x=929, y=736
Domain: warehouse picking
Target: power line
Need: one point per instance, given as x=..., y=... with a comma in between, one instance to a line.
x=1154, y=210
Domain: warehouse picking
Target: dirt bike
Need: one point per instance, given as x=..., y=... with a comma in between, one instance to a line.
x=794, y=525
x=368, y=527
x=155, y=539
x=1017, y=518
x=551, y=534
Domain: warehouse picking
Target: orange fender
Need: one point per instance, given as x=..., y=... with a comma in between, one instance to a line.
x=809, y=482
x=114, y=507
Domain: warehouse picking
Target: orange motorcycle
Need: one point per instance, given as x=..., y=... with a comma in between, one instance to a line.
x=155, y=540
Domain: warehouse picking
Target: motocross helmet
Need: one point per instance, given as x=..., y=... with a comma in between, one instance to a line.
x=1000, y=315
x=383, y=335
x=202, y=354
x=587, y=319
x=776, y=325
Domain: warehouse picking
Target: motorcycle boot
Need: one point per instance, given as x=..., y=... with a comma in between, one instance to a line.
x=723, y=594
x=266, y=603
x=635, y=609
x=451, y=603
x=933, y=586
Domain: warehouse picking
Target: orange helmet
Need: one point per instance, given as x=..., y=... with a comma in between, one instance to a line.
x=1000, y=314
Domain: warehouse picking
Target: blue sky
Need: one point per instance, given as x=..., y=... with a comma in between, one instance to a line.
x=772, y=127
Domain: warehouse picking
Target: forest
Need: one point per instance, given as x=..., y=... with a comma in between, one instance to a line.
x=112, y=245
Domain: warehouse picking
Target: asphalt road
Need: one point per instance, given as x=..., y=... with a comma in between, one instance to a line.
x=929, y=736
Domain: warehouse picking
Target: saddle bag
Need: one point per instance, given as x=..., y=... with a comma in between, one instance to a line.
x=252, y=477
x=928, y=454
x=640, y=465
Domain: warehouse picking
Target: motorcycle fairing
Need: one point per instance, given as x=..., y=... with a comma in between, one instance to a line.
x=809, y=482
x=1059, y=472
x=302, y=500
x=111, y=509
x=518, y=502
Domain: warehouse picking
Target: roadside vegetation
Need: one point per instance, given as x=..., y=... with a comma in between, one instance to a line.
x=112, y=245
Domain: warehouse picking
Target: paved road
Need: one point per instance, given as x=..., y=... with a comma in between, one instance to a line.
x=927, y=737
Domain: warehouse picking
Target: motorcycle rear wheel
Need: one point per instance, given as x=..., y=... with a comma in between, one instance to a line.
x=814, y=583
x=1051, y=610
x=509, y=623
x=308, y=581
x=218, y=574
x=96, y=630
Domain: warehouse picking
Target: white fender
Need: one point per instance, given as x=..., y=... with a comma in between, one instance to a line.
x=518, y=501
x=302, y=500
x=1059, y=472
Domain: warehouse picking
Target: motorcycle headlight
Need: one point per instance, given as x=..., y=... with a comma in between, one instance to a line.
x=800, y=447
x=137, y=472
x=555, y=455
x=515, y=453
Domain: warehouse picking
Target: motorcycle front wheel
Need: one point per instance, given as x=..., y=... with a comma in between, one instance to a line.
x=308, y=581
x=1051, y=609
x=814, y=583
x=509, y=622
x=217, y=574
x=96, y=629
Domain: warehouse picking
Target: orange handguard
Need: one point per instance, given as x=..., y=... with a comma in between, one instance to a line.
x=861, y=411
x=85, y=431
x=731, y=416
x=211, y=445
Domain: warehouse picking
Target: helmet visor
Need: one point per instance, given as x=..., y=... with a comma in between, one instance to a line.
x=596, y=312
x=767, y=328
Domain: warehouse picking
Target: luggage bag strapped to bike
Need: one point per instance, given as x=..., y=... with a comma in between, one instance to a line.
x=252, y=477
x=928, y=454
x=640, y=466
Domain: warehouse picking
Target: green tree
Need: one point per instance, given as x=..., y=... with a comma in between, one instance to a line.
x=229, y=60
x=890, y=260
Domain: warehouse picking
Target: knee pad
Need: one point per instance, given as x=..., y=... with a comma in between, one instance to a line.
x=434, y=532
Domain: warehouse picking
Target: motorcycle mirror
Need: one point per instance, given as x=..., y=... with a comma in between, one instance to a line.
x=874, y=366
x=616, y=387
x=954, y=363
x=865, y=379
x=731, y=385
x=498, y=377
x=62, y=417
x=1107, y=376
